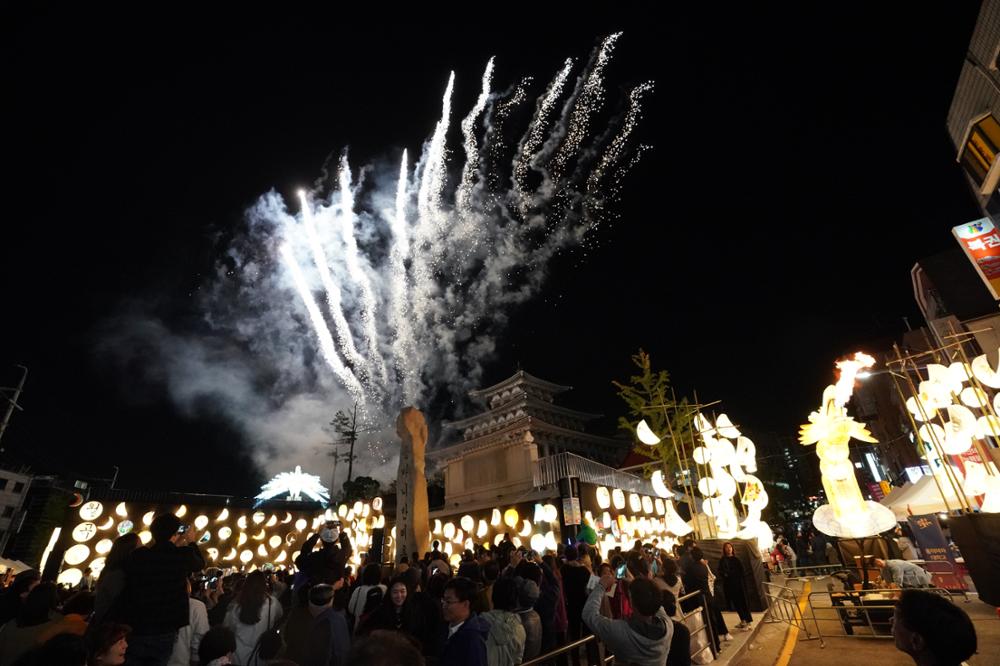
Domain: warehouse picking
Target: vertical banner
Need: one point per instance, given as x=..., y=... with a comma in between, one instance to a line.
x=980, y=240
x=932, y=541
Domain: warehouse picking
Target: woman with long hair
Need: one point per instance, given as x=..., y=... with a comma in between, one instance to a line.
x=112, y=580
x=389, y=614
x=734, y=585
x=253, y=613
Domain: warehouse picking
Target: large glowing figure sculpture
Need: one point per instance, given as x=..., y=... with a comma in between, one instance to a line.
x=295, y=485
x=848, y=514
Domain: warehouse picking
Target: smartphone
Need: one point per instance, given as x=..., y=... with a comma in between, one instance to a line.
x=182, y=529
x=620, y=572
x=434, y=570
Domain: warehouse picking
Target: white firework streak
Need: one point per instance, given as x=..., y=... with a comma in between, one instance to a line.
x=402, y=344
x=590, y=101
x=352, y=259
x=617, y=148
x=333, y=300
x=536, y=130
x=435, y=174
x=326, y=345
x=464, y=195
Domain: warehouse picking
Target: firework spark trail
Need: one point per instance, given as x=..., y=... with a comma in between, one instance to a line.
x=590, y=101
x=402, y=344
x=536, y=130
x=416, y=306
x=333, y=296
x=618, y=145
x=463, y=198
x=326, y=345
x=352, y=259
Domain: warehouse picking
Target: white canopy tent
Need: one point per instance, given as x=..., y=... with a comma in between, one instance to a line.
x=919, y=498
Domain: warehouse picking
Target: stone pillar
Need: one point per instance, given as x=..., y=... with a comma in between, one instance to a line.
x=412, y=525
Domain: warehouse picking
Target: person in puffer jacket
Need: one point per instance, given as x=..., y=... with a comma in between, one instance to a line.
x=505, y=642
x=527, y=596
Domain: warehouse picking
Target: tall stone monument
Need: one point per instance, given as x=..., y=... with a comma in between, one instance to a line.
x=412, y=525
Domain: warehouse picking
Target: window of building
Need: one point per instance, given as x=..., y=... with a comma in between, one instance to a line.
x=18, y=487
x=980, y=151
x=8, y=511
x=3, y=484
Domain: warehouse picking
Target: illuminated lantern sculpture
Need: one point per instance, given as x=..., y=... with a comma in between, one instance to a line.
x=848, y=514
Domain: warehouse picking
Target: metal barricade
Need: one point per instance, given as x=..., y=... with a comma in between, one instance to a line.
x=818, y=571
x=706, y=621
x=857, y=609
x=783, y=606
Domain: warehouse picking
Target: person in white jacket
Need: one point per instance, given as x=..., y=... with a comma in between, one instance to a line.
x=189, y=637
x=252, y=613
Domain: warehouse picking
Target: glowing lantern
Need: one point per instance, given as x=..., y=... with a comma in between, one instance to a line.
x=282, y=556
x=290, y=538
x=449, y=530
x=91, y=510
x=437, y=526
x=377, y=504
x=366, y=510
x=482, y=529
x=241, y=522
x=525, y=528
x=97, y=565
x=70, y=577
x=121, y=510
x=107, y=524
x=618, y=498
x=225, y=533
x=510, y=518
x=76, y=554
x=301, y=524
x=242, y=540
x=147, y=518
x=646, y=434
x=288, y=518
x=125, y=527
x=181, y=511
x=603, y=497
x=231, y=555
x=448, y=549
x=537, y=543
x=497, y=539
x=84, y=532
x=261, y=550
x=200, y=522
x=551, y=513
x=223, y=516
x=260, y=535
x=658, y=503
x=342, y=510
x=213, y=553
x=145, y=537
x=258, y=517
x=516, y=541
x=659, y=487
x=550, y=541
x=455, y=559
x=468, y=523
x=647, y=504
x=380, y=523
x=539, y=513
x=103, y=546
x=274, y=541
x=246, y=556
x=458, y=537
x=495, y=518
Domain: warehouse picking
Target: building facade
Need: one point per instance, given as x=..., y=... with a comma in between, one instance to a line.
x=497, y=450
x=14, y=488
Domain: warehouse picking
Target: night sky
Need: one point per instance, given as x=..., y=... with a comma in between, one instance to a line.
x=800, y=168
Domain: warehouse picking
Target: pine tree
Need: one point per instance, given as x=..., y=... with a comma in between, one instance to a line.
x=649, y=396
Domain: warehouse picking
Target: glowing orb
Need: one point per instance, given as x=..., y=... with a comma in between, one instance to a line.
x=274, y=541
x=121, y=510
x=618, y=498
x=603, y=497
x=510, y=518
x=246, y=556
x=495, y=518
x=70, y=577
x=147, y=518
x=103, y=546
x=645, y=434
x=145, y=537
x=223, y=515
x=91, y=510
x=84, y=532
x=125, y=527
x=76, y=554
x=468, y=523
x=200, y=522
x=107, y=524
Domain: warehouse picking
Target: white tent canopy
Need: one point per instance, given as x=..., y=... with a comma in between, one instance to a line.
x=919, y=498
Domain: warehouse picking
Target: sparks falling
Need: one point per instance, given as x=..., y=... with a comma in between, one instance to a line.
x=417, y=273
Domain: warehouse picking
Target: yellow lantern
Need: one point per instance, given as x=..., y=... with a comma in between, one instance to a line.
x=510, y=517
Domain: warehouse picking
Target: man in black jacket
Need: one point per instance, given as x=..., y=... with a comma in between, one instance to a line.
x=156, y=599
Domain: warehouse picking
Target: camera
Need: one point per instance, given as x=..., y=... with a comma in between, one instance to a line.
x=620, y=571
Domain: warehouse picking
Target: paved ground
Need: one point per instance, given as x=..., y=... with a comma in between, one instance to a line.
x=770, y=645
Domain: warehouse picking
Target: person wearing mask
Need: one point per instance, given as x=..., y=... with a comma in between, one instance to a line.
x=189, y=637
x=155, y=596
x=367, y=596
x=325, y=565
x=932, y=630
x=642, y=640
x=330, y=638
x=254, y=612
x=465, y=642
x=734, y=585
x=505, y=642
x=107, y=644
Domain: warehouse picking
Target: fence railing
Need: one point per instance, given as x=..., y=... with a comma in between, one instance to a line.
x=783, y=606
x=550, y=469
x=853, y=609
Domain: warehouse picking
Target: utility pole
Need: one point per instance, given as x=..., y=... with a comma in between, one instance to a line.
x=12, y=402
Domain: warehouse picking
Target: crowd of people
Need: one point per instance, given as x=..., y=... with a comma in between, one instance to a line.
x=159, y=604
